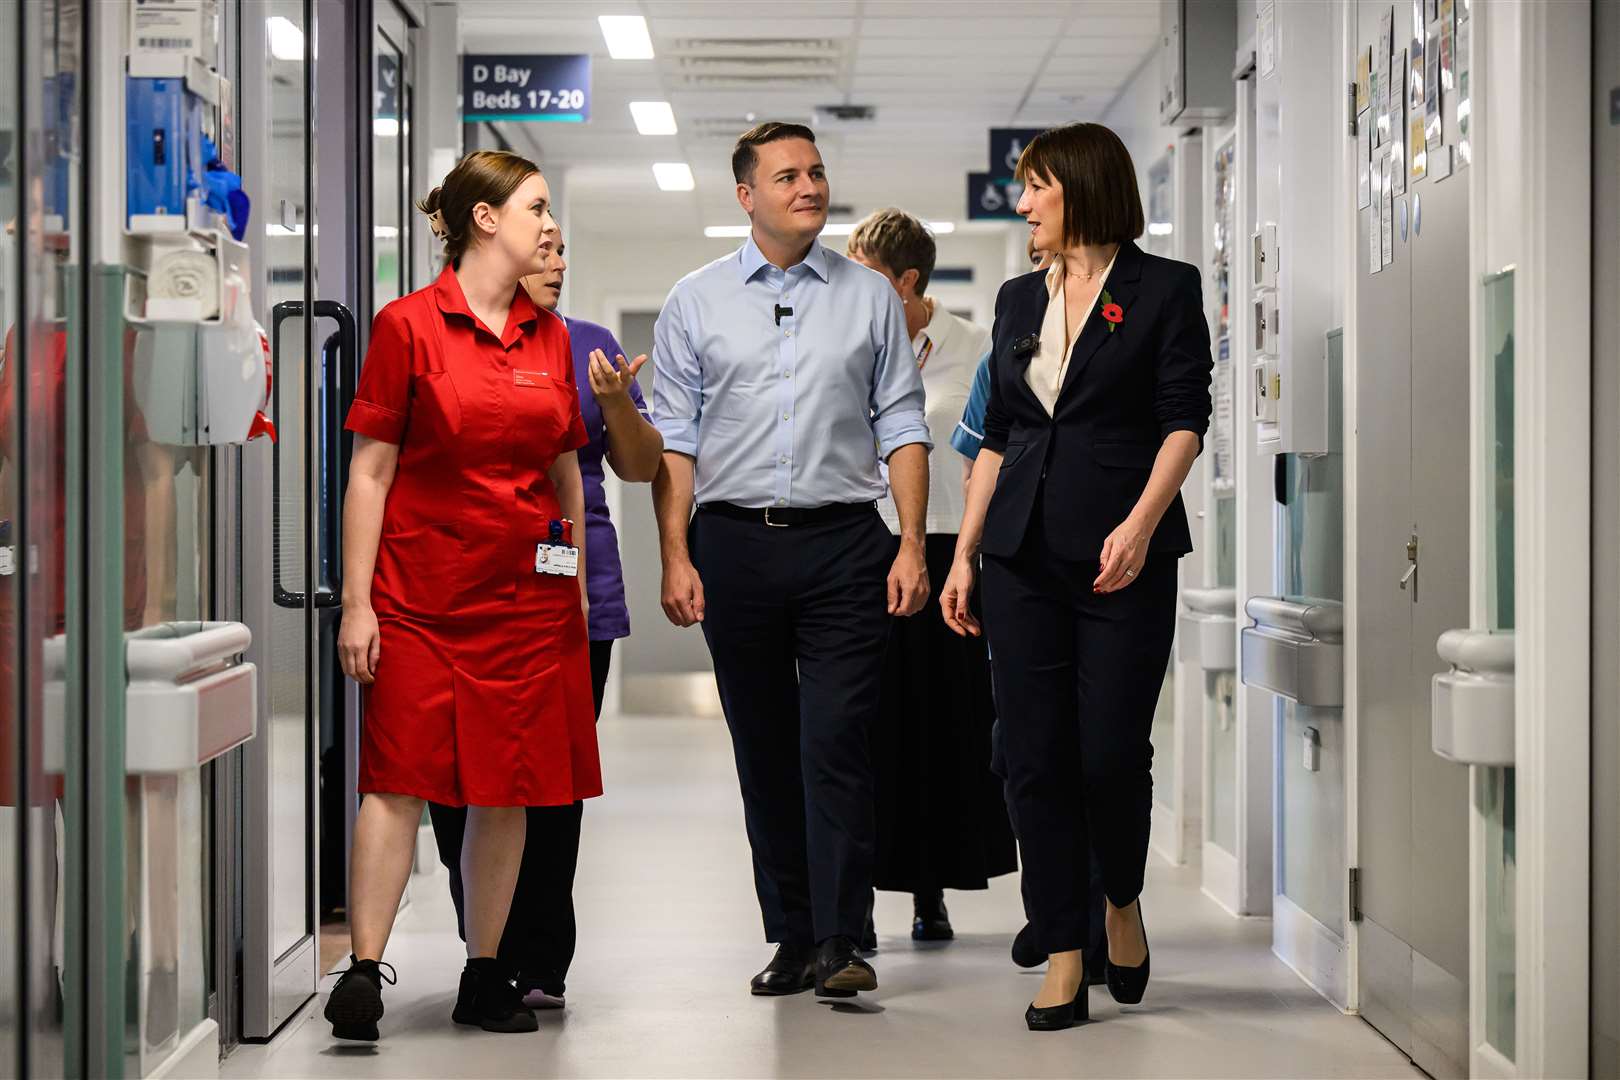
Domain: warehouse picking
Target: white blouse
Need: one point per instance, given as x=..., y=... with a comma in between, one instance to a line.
x=1051, y=359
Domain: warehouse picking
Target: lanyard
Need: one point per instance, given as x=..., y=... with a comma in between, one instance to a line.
x=922, y=357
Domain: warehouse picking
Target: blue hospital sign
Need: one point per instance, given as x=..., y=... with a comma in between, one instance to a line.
x=535, y=88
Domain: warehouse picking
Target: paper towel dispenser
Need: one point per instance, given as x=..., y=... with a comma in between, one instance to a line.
x=1295, y=649
x=1472, y=711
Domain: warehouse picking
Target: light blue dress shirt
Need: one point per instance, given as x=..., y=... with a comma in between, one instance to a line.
x=791, y=414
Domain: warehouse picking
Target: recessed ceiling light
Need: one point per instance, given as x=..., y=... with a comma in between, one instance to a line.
x=286, y=40
x=653, y=117
x=626, y=37
x=385, y=127
x=940, y=228
x=673, y=176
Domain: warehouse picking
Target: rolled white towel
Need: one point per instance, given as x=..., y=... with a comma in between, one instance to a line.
x=186, y=275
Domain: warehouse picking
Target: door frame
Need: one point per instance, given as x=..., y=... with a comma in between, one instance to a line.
x=1533, y=109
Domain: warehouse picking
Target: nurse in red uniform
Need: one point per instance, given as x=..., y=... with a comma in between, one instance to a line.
x=475, y=665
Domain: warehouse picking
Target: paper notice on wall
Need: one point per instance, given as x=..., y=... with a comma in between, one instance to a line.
x=1440, y=161
x=1364, y=160
x=1397, y=146
x=1381, y=58
x=1414, y=89
x=1419, y=152
x=1448, y=48
x=1364, y=80
x=1465, y=103
x=1386, y=237
x=1433, y=133
x=1267, y=17
x=1375, y=227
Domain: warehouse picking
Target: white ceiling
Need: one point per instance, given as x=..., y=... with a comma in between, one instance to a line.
x=940, y=73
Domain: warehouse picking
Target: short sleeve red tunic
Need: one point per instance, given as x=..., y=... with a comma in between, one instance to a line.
x=483, y=688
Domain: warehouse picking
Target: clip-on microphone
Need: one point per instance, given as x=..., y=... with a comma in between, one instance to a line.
x=781, y=311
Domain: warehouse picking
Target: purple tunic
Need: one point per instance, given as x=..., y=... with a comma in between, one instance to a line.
x=604, y=576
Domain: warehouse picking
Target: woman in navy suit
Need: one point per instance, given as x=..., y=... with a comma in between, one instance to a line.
x=1099, y=400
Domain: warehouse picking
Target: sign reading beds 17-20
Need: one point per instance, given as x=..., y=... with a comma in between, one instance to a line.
x=544, y=88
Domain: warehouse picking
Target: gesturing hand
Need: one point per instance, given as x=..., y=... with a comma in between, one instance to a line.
x=612, y=378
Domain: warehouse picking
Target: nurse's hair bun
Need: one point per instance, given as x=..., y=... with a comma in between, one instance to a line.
x=483, y=176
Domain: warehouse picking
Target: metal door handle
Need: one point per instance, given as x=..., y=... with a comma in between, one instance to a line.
x=1411, y=572
x=334, y=362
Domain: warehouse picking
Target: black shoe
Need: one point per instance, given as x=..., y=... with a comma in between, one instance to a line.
x=1061, y=1017
x=791, y=971
x=840, y=971
x=1128, y=984
x=355, y=1003
x=489, y=1000
x=1025, y=953
x=930, y=921
x=869, y=941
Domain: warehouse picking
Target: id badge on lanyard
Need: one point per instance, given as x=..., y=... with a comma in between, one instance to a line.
x=558, y=555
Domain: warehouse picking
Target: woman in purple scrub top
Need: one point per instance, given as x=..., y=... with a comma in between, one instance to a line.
x=538, y=944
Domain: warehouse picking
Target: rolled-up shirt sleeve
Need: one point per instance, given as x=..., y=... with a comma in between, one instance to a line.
x=898, y=416
x=382, y=401
x=996, y=422
x=677, y=380
x=1181, y=400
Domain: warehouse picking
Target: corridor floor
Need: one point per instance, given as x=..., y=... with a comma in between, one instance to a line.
x=669, y=935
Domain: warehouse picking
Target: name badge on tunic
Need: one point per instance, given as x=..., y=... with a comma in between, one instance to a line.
x=558, y=559
x=530, y=378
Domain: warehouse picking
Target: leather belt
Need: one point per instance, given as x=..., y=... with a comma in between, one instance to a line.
x=785, y=516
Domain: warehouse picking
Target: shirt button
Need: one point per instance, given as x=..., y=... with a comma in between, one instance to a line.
x=789, y=333
x=787, y=374
x=781, y=502
x=787, y=416
x=785, y=459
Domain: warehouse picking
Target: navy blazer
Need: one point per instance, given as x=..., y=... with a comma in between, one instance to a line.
x=1123, y=393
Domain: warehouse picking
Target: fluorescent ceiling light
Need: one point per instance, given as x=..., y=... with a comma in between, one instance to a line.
x=626, y=37
x=940, y=228
x=385, y=127
x=673, y=176
x=725, y=232
x=286, y=40
x=653, y=117
x=1160, y=228
x=838, y=229
x=385, y=232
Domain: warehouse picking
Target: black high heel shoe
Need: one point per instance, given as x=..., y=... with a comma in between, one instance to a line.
x=1061, y=1017
x=1128, y=984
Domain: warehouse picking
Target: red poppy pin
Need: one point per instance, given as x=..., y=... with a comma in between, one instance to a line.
x=1111, y=311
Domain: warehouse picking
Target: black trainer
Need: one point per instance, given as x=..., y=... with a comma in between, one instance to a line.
x=489, y=999
x=355, y=1004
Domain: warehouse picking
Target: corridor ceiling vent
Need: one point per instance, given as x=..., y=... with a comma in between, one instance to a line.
x=753, y=63
x=834, y=117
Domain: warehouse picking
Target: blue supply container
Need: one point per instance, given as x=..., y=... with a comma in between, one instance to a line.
x=165, y=145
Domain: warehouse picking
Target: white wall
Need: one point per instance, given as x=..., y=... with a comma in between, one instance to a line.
x=1134, y=116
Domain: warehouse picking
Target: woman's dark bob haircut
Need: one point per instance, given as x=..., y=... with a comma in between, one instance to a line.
x=1101, y=202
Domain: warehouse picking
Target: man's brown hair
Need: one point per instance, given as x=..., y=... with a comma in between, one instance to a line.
x=746, y=153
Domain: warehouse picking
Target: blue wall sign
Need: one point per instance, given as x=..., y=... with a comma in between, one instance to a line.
x=992, y=198
x=1006, y=144
x=387, y=88
x=510, y=87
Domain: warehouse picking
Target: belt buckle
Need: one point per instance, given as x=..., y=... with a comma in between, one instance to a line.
x=774, y=524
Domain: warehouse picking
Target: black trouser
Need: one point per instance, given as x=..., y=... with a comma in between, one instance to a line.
x=796, y=620
x=539, y=937
x=1077, y=679
x=1097, y=943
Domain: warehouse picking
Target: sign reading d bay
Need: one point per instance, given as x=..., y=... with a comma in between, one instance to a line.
x=536, y=88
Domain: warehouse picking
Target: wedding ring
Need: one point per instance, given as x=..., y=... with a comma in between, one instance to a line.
x=1130, y=573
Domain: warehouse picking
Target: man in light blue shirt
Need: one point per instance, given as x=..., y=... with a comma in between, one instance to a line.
x=784, y=375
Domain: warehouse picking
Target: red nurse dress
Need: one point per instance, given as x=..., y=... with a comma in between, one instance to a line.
x=483, y=688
